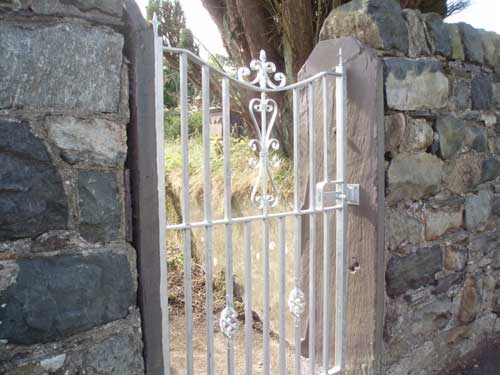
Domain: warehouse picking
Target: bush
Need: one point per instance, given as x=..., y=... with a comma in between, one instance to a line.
x=172, y=125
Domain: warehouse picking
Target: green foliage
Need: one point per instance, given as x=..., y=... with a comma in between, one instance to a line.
x=172, y=126
x=242, y=175
x=174, y=31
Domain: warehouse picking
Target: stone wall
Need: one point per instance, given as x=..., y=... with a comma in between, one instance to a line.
x=68, y=277
x=442, y=123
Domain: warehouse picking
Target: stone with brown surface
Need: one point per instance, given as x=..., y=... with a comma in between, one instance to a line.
x=470, y=303
x=413, y=176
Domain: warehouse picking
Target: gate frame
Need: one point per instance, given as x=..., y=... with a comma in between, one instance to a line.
x=146, y=162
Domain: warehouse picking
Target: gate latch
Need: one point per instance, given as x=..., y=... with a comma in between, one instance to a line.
x=328, y=192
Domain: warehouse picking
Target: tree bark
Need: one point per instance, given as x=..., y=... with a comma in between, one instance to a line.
x=287, y=30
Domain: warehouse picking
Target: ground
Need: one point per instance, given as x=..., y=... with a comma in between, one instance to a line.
x=177, y=330
x=484, y=362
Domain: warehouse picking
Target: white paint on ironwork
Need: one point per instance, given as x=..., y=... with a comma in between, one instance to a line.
x=325, y=197
x=207, y=194
x=188, y=308
x=341, y=221
x=248, y=300
x=296, y=300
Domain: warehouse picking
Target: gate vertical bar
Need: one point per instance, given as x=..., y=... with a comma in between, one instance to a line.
x=183, y=65
x=326, y=229
x=312, y=231
x=248, y=299
x=341, y=219
x=282, y=352
x=207, y=200
x=162, y=214
x=298, y=225
x=265, y=230
x=226, y=134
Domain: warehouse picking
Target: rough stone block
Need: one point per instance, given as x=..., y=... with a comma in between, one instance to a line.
x=439, y=34
x=414, y=176
x=496, y=206
x=96, y=141
x=100, y=206
x=476, y=138
x=463, y=174
x=116, y=355
x=454, y=258
x=490, y=169
x=460, y=97
x=377, y=23
x=440, y=221
x=457, y=49
x=32, y=197
x=447, y=282
x=477, y=209
x=118, y=342
x=470, y=304
x=54, y=297
x=482, y=93
x=415, y=84
x=413, y=271
x=419, y=136
x=75, y=7
x=401, y=228
x=417, y=39
x=60, y=67
x=491, y=47
x=395, y=128
x=472, y=42
x=451, y=132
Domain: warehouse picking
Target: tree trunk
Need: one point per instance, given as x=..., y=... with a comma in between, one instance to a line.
x=287, y=30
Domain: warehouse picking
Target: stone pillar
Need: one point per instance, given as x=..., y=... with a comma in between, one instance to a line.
x=442, y=169
x=68, y=277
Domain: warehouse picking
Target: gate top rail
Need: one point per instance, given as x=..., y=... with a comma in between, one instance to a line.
x=252, y=86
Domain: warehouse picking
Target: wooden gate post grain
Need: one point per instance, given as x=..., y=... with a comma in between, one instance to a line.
x=365, y=166
x=146, y=163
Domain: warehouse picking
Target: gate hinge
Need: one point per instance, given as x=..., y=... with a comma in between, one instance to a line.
x=330, y=191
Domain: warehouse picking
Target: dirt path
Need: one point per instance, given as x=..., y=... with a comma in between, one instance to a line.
x=178, y=348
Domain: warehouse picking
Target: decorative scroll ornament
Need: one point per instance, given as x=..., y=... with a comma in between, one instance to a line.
x=263, y=68
x=228, y=321
x=296, y=302
x=264, y=192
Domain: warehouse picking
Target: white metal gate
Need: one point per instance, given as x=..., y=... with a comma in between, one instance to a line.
x=331, y=195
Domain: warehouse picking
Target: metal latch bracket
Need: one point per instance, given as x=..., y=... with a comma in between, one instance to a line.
x=326, y=191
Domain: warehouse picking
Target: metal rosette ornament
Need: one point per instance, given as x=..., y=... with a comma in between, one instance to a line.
x=264, y=193
x=228, y=321
x=296, y=302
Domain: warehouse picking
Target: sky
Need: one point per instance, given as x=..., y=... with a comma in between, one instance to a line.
x=483, y=14
x=202, y=26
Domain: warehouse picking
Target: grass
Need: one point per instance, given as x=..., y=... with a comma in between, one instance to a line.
x=242, y=174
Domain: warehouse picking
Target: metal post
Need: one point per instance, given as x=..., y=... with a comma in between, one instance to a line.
x=248, y=299
x=298, y=235
x=326, y=229
x=188, y=308
x=207, y=200
x=226, y=134
x=312, y=231
x=341, y=220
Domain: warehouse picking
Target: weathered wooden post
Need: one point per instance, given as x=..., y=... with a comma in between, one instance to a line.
x=365, y=227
